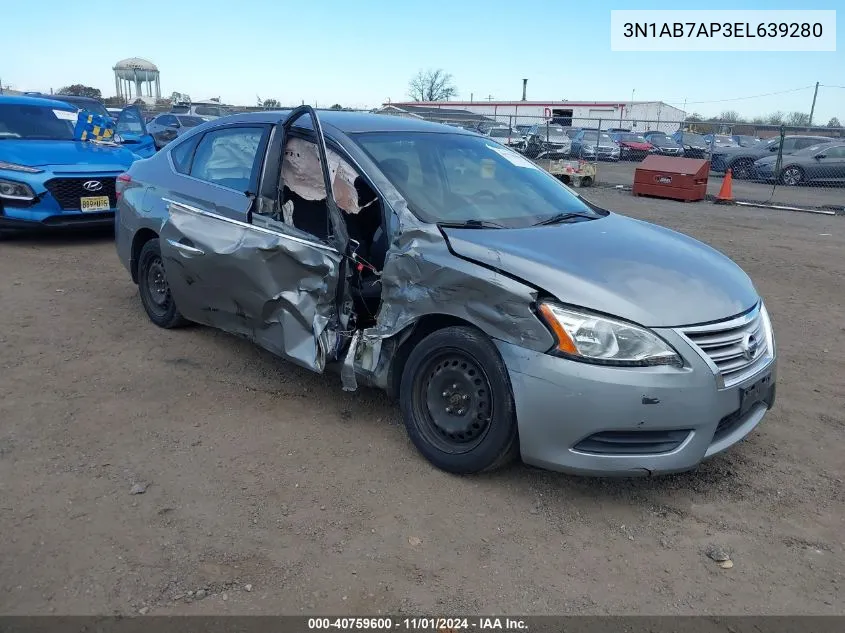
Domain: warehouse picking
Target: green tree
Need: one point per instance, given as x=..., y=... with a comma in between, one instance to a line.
x=79, y=90
x=270, y=104
x=834, y=122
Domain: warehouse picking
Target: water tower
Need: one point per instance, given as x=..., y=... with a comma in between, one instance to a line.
x=139, y=72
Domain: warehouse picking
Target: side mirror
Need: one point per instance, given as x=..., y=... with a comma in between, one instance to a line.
x=774, y=148
x=820, y=156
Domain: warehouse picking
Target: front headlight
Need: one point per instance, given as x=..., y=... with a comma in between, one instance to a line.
x=23, y=168
x=12, y=190
x=595, y=339
x=687, y=146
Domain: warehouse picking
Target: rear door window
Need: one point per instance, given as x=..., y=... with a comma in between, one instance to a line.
x=181, y=154
x=229, y=157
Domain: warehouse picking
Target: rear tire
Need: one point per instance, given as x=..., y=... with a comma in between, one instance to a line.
x=154, y=289
x=457, y=402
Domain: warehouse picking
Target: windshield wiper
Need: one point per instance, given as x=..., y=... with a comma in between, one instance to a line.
x=472, y=224
x=563, y=217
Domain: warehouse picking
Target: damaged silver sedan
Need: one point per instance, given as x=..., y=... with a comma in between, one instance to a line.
x=508, y=315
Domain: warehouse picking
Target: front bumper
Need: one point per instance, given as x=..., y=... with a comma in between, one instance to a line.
x=566, y=410
x=46, y=218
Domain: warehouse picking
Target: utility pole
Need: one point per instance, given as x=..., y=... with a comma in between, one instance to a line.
x=813, y=107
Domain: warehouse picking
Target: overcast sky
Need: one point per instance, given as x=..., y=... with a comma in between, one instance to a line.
x=363, y=53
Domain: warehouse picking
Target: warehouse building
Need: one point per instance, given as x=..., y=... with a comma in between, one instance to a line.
x=634, y=115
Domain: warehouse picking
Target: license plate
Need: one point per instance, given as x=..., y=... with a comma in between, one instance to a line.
x=755, y=394
x=95, y=203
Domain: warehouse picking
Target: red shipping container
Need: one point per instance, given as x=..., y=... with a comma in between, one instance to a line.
x=668, y=177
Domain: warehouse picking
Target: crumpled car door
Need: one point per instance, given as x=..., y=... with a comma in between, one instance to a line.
x=272, y=285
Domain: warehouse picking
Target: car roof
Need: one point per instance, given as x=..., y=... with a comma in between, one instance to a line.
x=348, y=122
x=34, y=101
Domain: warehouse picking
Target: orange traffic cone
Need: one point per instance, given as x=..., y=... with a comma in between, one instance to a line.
x=726, y=195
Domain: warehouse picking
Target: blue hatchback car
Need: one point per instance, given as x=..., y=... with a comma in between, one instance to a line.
x=48, y=178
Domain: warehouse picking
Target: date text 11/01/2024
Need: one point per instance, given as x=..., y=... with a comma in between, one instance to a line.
x=439, y=625
x=723, y=29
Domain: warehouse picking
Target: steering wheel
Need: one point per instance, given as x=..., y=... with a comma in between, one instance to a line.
x=485, y=193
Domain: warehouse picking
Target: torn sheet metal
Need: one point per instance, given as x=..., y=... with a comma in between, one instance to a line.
x=302, y=173
x=421, y=277
x=275, y=288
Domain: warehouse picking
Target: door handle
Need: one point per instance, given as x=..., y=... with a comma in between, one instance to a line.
x=188, y=250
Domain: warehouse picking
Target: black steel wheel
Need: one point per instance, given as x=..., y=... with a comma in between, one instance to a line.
x=154, y=289
x=457, y=402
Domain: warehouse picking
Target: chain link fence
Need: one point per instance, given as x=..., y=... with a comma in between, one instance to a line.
x=790, y=166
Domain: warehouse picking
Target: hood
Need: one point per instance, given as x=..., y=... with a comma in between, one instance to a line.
x=82, y=154
x=617, y=265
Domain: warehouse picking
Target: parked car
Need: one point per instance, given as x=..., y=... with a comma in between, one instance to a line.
x=128, y=132
x=591, y=143
x=548, y=141
x=822, y=163
x=694, y=144
x=48, y=179
x=505, y=135
x=166, y=127
x=717, y=141
x=632, y=146
x=663, y=143
x=507, y=314
x=207, y=111
x=740, y=160
x=746, y=141
x=523, y=129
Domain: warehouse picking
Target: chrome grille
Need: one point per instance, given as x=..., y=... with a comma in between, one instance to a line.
x=737, y=348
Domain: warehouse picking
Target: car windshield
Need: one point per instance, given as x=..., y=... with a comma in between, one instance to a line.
x=694, y=138
x=636, y=138
x=592, y=136
x=462, y=178
x=180, y=109
x=190, y=121
x=36, y=122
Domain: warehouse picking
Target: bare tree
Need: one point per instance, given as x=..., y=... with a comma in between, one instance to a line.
x=759, y=120
x=730, y=116
x=775, y=118
x=834, y=122
x=797, y=119
x=432, y=85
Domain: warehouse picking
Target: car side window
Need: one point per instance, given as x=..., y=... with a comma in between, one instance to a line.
x=167, y=119
x=806, y=142
x=181, y=154
x=790, y=144
x=835, y=152
x=228, y=157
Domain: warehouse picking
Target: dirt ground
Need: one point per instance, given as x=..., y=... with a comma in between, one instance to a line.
x=272, y=491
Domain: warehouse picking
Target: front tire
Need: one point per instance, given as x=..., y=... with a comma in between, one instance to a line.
x=457, y=402
x=791, y=176
x=154, y=289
